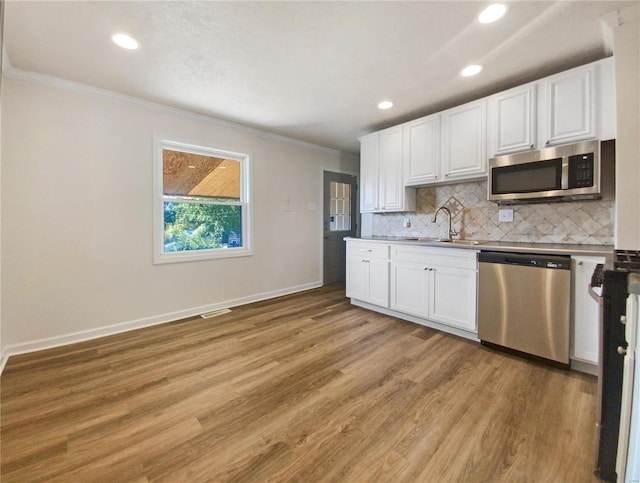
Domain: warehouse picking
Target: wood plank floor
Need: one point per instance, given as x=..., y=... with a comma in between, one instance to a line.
x=301, y=388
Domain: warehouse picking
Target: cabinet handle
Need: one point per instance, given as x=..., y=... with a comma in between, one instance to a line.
x=623, y=319
x=446, y=174
x=580, y=263
x=435, y=177
x=531, y=146
x=548, y=142
x=622, y=350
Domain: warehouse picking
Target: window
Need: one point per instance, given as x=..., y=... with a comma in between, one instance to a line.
x=202, y=203
x=340, y=206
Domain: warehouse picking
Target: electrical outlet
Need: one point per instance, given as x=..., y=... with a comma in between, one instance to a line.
x=505, y=215
x=406, y=222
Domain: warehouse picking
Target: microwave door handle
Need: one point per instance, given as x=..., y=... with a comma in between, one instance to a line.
x=565, y=173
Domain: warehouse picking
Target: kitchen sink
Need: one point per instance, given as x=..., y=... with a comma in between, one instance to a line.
x=441, y=240
x=462, y=242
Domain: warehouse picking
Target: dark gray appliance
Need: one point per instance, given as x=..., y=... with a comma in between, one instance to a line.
x=613, y=345
x=524, y=304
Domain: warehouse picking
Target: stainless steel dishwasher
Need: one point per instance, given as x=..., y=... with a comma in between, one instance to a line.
x=524, y=303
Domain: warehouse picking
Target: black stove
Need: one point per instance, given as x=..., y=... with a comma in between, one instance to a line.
x=627, y=260
x=612, y=340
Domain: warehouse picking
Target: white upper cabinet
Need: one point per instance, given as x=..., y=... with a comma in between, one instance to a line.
x=391, y=176
x=512, y=120
x=464, y=153
x=381, y=172
x=569, y=102
x=606, y=99
x=454, y=145
x=422, y=150
x=369, y=172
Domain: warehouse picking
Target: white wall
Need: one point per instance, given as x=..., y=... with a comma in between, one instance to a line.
x=77, y=215
x=2, y=356
x=627, y=54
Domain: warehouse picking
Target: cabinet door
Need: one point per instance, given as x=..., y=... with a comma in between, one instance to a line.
x=422, y=150
x=379, y=282
x=585, y=311
x=357, y=285
x=391, y=179
x=368, y=280
x=464, y=141
x=606, y=99
x=570, y=106
x=452, y=297
x=512, y=120
x=369, y=173
x=409, y=282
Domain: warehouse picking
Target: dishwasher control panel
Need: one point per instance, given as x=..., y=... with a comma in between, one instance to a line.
x=557, y=262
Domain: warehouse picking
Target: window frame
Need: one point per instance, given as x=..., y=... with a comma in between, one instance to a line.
x=159, y=255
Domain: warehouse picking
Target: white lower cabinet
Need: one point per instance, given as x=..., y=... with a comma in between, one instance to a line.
x=452, y=297
x=438, y=284
x=437, y=287
x=584, y=311
x=409, y=288
x=368, y=272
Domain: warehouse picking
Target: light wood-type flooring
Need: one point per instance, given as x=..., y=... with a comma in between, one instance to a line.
x=301, y=388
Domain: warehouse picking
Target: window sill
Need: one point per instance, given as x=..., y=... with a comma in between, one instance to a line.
x=195, y=255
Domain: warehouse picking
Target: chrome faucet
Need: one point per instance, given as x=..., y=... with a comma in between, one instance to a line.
x=450, y=231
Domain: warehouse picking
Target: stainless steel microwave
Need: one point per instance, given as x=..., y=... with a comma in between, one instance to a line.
x=581, y=171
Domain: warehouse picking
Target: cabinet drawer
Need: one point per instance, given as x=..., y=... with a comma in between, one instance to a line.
x=368, y=249
x=450, y=257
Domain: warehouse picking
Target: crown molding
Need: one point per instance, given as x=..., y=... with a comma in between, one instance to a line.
x=11, y=72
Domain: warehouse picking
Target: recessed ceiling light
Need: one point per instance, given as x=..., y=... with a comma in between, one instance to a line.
x=470, y=70
x=492, y=13
x=125, y=41
x=191, y=167
x=385, y=105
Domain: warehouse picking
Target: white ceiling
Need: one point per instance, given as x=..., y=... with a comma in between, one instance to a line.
x=313, y=71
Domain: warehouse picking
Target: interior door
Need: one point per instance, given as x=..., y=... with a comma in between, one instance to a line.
x=339, y=197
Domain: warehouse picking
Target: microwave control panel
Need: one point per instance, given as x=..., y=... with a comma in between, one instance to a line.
x=581, y=170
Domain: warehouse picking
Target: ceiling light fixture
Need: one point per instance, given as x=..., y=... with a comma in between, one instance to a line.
x=385, y=105
x=125, y=41
x=492, y=13
x=470, y=70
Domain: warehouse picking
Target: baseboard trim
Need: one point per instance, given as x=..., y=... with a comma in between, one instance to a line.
x=586, y=367
x=85, y=335
x=3, y=361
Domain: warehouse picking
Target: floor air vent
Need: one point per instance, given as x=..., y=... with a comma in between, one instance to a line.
x=214, y=313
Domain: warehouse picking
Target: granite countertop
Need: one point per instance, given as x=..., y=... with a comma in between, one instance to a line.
x=502, y=246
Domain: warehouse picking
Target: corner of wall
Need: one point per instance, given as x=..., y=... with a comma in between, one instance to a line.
x=3, y=58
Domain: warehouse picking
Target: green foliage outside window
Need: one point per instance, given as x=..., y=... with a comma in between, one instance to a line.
x=192, y=226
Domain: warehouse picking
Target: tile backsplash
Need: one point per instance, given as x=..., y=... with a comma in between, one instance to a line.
x=586, y=222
